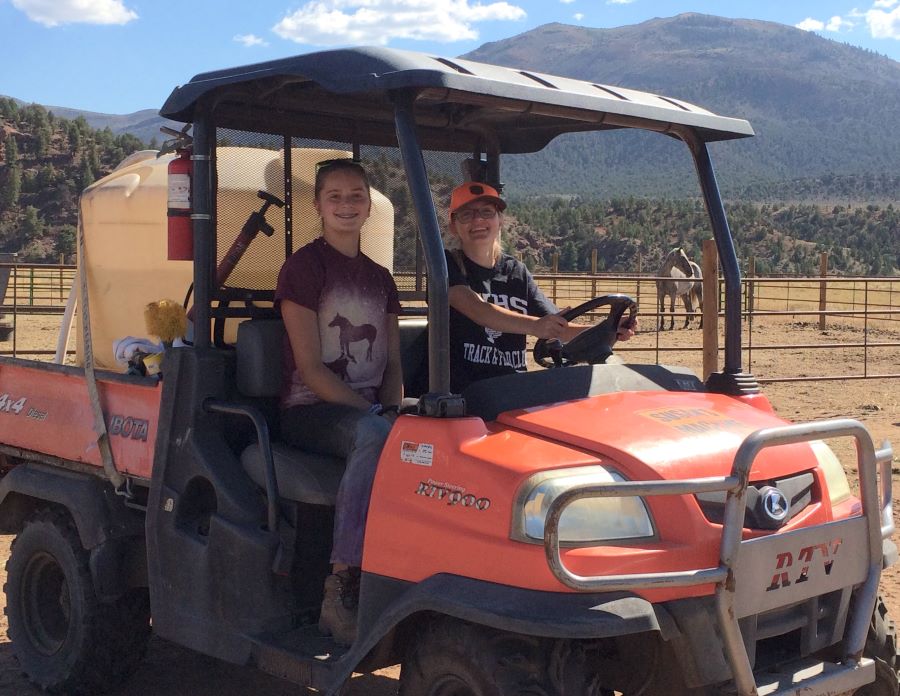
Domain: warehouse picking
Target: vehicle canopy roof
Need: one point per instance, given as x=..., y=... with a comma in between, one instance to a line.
x=347, y=94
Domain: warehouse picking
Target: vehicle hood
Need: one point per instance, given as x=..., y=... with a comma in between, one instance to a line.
x=660, y=434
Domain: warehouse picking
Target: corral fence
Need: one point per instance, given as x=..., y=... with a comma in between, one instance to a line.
x=870, y=306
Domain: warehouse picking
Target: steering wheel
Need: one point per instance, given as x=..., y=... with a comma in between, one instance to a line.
x=593, y=345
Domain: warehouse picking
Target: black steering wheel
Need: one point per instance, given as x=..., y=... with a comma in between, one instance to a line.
x=593, y=345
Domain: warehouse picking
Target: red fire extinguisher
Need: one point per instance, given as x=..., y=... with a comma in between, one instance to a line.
x=181, y=233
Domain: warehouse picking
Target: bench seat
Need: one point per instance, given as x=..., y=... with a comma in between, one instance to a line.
x=301, y=475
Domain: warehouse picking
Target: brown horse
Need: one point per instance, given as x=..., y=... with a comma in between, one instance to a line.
x=351, y=333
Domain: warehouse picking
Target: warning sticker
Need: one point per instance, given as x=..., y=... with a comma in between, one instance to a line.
x=419, y=453
x=693, y=420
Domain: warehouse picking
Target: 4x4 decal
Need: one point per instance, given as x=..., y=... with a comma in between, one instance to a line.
x=11, y=404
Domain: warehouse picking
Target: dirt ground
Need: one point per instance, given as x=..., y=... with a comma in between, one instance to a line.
x=172, y=670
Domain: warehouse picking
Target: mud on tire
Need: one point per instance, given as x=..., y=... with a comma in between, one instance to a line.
x=453, y=658
x=882, y=645
x=64, y=638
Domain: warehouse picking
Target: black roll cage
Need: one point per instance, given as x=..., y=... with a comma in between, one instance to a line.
x=377, y=96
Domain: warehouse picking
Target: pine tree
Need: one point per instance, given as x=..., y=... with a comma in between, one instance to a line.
x=73, y=133
x=42, y=142
x=11, y=151
x=10, y=188
x=86, y=177
x=65, y=241
x=32, y=226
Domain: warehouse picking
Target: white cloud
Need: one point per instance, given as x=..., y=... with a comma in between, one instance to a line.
x=885, y=3
x=884, y=25
x=333, y=22
x=250, y=40
x=578, y=16
x=619, y=2
x=837, y=23
x=567, y=2
x=52, y=13
x=810, y=24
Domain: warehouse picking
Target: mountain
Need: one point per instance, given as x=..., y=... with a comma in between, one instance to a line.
x=824, y=112
x=820, y=108
x=822, y=174
x=143, y=124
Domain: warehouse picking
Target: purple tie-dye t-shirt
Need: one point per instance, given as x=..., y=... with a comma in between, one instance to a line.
x=352, y=298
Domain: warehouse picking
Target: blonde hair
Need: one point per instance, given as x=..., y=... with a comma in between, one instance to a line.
x=453, y=245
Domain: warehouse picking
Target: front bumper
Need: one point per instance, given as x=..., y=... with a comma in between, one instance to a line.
x=759, y=577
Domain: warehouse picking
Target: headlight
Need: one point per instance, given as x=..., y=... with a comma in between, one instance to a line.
x=835, y=478
x=589, y=520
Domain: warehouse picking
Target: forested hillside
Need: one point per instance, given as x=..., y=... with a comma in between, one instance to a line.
x=860, y=240
x=45, y=163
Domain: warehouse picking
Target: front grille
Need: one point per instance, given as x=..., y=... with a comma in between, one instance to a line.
x=797, y=493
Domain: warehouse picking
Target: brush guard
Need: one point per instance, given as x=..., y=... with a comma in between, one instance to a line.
x=744, y=576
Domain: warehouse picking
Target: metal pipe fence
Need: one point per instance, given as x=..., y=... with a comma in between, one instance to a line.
x=868, y=307
x=38, y=288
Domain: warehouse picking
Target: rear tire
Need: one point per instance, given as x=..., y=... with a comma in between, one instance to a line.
x=881, y=645
x=64, y=638
x=454, y=658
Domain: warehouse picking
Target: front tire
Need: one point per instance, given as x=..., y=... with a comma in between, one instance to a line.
x=64, y=638
x=881, y=645
x=454, y=658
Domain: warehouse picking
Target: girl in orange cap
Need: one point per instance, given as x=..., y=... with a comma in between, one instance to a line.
x=494, y=301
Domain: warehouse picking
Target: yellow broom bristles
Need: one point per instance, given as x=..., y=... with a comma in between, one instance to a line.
x=165, y=319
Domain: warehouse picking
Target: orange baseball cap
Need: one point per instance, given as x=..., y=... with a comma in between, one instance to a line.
x=474, y=191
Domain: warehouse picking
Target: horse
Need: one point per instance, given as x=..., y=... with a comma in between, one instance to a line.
x=677, y=266
x=339, y=366
x=351, y=333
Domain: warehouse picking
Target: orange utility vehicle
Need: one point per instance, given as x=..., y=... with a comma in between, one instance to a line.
x=590, y=528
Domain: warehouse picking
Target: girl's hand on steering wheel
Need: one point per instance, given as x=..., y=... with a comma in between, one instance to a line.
x=550, y=326
x=628, y=327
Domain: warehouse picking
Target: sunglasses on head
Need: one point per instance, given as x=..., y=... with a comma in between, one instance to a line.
x=335, y=161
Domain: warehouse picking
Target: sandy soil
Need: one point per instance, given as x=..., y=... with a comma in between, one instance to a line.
x=172, y=670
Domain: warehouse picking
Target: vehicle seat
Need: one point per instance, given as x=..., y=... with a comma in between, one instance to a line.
x=305, y=476
x=302, y=476
x=414, y=355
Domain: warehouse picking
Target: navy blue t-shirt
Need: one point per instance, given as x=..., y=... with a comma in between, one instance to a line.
x=477, y=352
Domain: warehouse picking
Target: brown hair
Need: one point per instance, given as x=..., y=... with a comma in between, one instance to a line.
x=325, y=168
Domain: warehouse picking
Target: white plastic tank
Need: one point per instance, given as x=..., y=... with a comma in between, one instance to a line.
x=125, y=239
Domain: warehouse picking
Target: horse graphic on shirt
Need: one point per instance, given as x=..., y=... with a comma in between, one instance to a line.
x=339, y=366
x=351, y=333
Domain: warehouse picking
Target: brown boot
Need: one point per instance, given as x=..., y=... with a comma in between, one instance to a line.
x=338, y=616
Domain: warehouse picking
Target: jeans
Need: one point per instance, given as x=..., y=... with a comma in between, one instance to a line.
x=355, y=435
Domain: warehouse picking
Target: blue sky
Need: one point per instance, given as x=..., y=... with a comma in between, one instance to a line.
x=119, y=56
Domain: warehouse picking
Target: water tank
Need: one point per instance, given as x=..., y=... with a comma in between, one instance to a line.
x=125, y=241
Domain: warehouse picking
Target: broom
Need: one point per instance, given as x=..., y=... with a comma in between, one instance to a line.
x=165, y=319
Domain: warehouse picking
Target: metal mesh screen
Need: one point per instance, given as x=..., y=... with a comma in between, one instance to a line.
x=248, y=162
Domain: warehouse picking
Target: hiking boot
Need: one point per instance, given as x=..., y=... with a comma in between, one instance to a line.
x=338, y=616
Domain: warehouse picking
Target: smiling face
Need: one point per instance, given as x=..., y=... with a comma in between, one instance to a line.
x=343, y=202
x=477, y=227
